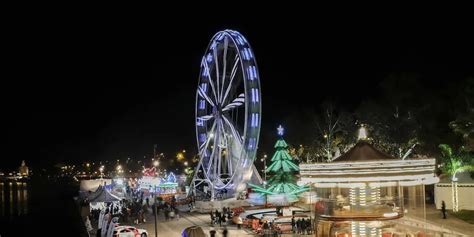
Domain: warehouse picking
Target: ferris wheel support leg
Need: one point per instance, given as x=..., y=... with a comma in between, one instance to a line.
x=213, y=192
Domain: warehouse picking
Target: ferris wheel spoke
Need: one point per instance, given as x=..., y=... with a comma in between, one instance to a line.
x=216, y=61
x=204, y=145
x=232, y=75
x=204, y=95
x=206, y=68
x=226, y=44
x=205, y=117
x=239, y=101
x=234, y=131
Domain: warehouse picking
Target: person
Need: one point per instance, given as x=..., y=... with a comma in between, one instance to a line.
x=166, y=213
x=293, y=224
x=443, y=209
x=298, y=226
x=277, y=230
x=266, y=229
x=212, y=232
x=225, y=232
x=219, y=218
x=190, y=205
x=176, y=212
x=212, y=217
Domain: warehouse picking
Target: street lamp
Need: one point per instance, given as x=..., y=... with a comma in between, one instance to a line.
x=101, y=169
x=264, y=159
x=155, y=163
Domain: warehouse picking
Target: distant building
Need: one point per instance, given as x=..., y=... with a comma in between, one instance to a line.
x=464, y=188
x=23, y=170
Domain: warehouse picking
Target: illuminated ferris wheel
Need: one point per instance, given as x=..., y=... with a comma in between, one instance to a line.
x=228, y=115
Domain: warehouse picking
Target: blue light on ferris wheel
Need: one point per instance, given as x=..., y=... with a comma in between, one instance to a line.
x=254, y=95
x=220, y=36
x=202, y=137
x=252, y=71
x=213, y=45
x=209, y=57
x=204, y=87
x=202, y=104
x=254, y=120
x=245, y=54
x=205, y=72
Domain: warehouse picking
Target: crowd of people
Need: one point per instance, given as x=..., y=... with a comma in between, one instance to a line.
x=301, y=226
x=221, y=217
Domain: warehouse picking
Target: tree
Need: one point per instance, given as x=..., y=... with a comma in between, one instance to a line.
x=393, y=129
x=283, y=180
x=334, y=131
x=463, y=125
x=453, y=164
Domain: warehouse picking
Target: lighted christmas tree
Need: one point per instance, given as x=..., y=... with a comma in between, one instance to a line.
x=283, y=169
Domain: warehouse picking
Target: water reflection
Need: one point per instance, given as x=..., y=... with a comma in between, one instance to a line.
x=13, y=198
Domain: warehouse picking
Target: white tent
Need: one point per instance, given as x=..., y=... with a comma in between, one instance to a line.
x=93, y=184
x=102, y=195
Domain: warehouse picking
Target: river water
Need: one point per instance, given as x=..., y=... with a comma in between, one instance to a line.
x=40, y=206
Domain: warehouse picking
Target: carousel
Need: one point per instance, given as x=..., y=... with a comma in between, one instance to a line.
x=361, y=191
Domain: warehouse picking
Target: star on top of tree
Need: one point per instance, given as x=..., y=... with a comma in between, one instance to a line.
x=280, y=130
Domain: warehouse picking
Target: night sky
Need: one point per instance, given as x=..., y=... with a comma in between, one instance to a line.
x=105, y=90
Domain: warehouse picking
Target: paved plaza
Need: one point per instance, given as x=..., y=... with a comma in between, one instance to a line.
x=174, y=227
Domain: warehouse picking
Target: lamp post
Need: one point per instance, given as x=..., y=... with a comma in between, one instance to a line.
x=264, y=159
x=101, y=169
x=156, y=163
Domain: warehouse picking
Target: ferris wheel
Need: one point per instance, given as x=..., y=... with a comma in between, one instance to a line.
x=228, y=115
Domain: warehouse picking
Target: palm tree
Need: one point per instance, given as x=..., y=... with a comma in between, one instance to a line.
x=453, y=164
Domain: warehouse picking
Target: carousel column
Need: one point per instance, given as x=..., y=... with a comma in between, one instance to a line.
x=412, y=196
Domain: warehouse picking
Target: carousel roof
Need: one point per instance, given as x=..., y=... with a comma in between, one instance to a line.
x=363, y=151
